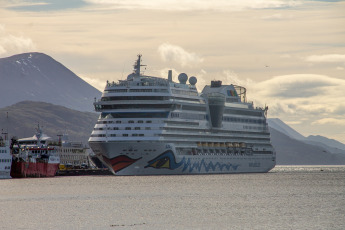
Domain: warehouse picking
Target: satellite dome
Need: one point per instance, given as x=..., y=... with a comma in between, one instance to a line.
x=193, y=80
x=182, y=77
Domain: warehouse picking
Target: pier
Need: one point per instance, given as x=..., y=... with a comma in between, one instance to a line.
x=83, y=172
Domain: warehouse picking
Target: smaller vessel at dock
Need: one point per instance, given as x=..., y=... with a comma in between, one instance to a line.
x=72, y=154
x=32, y=157
x=5, y=157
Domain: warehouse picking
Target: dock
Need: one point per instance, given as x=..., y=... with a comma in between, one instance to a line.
x=83, y=172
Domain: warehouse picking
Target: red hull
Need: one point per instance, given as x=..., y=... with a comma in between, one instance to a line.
x=29, y=169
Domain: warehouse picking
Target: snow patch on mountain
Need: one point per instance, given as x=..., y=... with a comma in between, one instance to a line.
x=38, y=77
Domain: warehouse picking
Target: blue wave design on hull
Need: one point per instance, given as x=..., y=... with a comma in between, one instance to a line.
x=167, y=161
x=208, y=167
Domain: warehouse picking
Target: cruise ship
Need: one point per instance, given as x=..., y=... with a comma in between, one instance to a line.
x=154, y=126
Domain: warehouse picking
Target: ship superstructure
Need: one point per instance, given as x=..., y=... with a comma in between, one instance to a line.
x=150, y=125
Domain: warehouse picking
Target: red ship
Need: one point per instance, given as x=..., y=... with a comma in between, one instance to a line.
x=33, y=158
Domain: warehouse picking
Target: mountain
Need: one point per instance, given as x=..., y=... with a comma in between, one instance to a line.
x=280, y=126
x=316, y=140
x=290, y=151
x=22, y=118
x=292, y=148
x=327, y=144
x=38, y=77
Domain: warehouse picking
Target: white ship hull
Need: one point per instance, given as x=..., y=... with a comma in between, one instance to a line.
x=156, y=158
x=5, y=173
x=5, y=163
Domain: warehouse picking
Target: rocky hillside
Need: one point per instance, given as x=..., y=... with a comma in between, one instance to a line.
x=22, y=118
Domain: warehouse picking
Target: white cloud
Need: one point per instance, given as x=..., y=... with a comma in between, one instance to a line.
x=285, y=56
x=278, y=16
x=95, y=82
x=273, y=17
x=293, y=122
x=301, y=95
x=337, y=58
x=331, y=121
x=298, y=85
x=10, y=44
x=169, y=52
x=222, y=5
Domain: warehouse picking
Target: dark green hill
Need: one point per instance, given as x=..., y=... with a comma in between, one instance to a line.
x=22, y=118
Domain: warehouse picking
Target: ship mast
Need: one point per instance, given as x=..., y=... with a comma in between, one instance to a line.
x=137, y=65
x=38, y=134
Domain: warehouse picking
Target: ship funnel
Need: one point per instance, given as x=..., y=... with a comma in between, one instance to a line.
x=216, y=102
x=170, y=75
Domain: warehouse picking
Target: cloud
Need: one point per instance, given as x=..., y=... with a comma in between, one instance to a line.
x=337, y=58
x=169, y=52
x=10, y=44
x=331, y=121
x=298, y=85
x=221, y=5
x=278, y=16
x=97, y=83
x=272, y=17
x=301, y=95
x=285, y=56
x=293, y=122
x=44, y=5
x=23, y=3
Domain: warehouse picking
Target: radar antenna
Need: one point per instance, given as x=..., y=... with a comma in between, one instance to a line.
x=137, y=65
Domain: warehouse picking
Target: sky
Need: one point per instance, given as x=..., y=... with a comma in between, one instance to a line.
x=289, y=54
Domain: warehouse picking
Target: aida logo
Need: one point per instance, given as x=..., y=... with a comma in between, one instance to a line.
x=232, y=93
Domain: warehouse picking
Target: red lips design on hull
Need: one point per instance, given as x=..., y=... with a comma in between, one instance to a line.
x=121, y=162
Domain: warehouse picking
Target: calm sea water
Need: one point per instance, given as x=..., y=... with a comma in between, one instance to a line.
x=288, y=197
